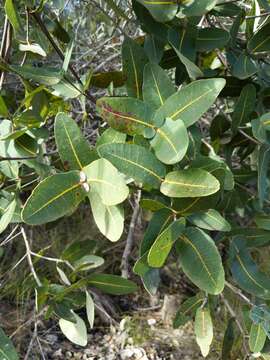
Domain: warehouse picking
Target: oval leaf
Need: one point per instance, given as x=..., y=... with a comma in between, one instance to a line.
x=203, y=330
x=135, y=161
x=75, y=332
x=191, y=101
x=105, y=180
x=201, y=261
x=109, y=219
x=210, y=220
x=53, y=198
x=112, y=284
x=257, y=338
x=171, y=142
x=73, y=148
x=163, y=244
x=161, y=11
x=189, y=183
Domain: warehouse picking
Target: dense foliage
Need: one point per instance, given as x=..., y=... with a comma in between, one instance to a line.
x=187, y=134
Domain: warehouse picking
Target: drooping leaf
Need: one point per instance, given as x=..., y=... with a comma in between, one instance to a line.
x=46, y=76
x=150, y=276
x=7, y=349
x=187, y=310
x=210, y=220
x=161, y=11
x=7, y=215
x=243, y=107
x=257, y=338
x=78, y=249
x=154, y=48
x=76, y=333
x=73, y=148
x=184, y=40
x=106, y=181
x=13, y=16
x=192, y=69
x=112, y=284
x=134, y=60
x=245, y=271
x=171, y=141
x=201, y=261
x=204, y=330
x=128, y=115
x=189, y=183
x=191, y=101
x=90, y=309
x=211, y=38
x=244, y=67
x=163, y=244
x=228, y=340
x=157, y=86
x=33, y=48
x=260, y=41
x=54, y=197
x=263, y=167
x=109, y=219
x=135, y=161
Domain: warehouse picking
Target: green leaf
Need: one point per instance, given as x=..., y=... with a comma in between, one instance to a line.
x=244, y=67
x=260, y=41
x=53, y=198
x=112, y=284
x=46, y=76
x=109, y=219
x=210, y=220
x=191, y=101
x=128, y=115
x=159, y=221
x=257, y=338
x=7, y=215
x=171, y=141
x=88, y=262
x=73, y=148
x=211, y=38
x=111, y=136
x=189, y=183
x=162, y=11
x=200, y=260
x=134, y=60
x=228, y=340
x=261, y=127
x=245, y=271
x=187, y=310
x=163, y=244
x=193, y=70
x=198, y=8
x=106, y=181
x=90, y=309
x=76, y=333
x=204, y=330
x=13, y=16
x=135, y=161
x=244, y=107
x=157, y=86
x=263, y=167
x=78, y=249
x=184, y=40
x=150, y=276
x=187, y=206
x=154, y=48
x=7, y=350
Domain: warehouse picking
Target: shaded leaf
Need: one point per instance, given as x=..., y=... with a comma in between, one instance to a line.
x=211, y=38
x=112, y=284
x=163, y=244
x=90, y=309
x=187, y=310
x=201, y=261
x=161, y=11
x=7, y=350
x=260, y=41
x=210, y=220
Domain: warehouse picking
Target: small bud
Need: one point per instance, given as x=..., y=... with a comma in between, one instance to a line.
x=83, y=177
x=86, y=186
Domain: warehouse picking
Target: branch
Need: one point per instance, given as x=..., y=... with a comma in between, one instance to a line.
x=130, y=237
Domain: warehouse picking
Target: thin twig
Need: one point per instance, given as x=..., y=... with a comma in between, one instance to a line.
x=239, y=293
x=130, y=237
x=29, y=258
